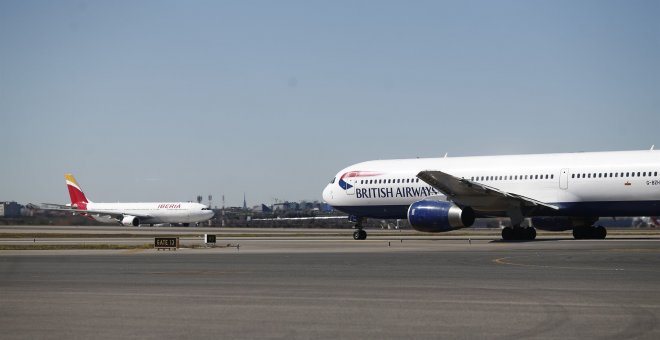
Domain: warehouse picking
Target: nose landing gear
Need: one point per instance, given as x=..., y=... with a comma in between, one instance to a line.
x=359, y=233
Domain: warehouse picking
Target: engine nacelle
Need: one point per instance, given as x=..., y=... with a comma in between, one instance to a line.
x=130, y=220
x=436, y=216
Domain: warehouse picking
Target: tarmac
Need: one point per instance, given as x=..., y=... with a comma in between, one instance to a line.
x=320, y=286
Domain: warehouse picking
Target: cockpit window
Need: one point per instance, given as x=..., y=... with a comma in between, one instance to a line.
x=333, y=180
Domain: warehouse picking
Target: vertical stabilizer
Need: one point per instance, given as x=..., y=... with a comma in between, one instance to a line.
x=78, y=198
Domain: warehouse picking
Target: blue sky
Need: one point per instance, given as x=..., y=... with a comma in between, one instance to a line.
x=165, y=100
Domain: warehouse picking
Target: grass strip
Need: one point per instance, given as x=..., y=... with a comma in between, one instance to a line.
x=73, y=246
x=72, y=235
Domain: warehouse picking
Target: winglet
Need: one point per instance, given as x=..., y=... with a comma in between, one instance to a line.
x=77, y=195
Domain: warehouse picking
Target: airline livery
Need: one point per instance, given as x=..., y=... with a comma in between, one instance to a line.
x=558, y=191
x=134, y=214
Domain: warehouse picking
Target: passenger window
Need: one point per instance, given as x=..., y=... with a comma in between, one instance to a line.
x=632, y=174
x=638, y=174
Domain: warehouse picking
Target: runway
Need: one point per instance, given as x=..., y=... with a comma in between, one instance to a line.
x=320, y=287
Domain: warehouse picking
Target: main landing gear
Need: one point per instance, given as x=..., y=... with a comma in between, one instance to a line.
x=590, y=233
x=359, y=233
x=518, y=234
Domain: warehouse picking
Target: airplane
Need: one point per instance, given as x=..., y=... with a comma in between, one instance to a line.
x=134, y=214
x=561, y=191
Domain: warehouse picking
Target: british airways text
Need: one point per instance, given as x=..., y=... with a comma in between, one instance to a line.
x=390, y=192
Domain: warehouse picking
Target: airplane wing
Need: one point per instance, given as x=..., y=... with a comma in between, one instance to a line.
x=462, y=191
x=68, y=208
x=48, y=206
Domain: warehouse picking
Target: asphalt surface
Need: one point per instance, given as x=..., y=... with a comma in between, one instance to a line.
x=328, y=288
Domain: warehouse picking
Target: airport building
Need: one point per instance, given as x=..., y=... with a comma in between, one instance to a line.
x=10, y=209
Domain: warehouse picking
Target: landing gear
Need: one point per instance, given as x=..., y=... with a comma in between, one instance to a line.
x=590, y=233
x=518, y=234
x=360, y=234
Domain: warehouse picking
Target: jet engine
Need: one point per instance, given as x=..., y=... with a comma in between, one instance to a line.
x=436, y=216
x=130, y=220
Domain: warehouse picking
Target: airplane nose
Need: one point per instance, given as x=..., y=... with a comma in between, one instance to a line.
x=327, y=194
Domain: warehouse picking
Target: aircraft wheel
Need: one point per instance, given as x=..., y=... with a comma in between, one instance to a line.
x=360, y=234
x=531, y=233
x=600, y=232
x=507, y=233
x=580, y=233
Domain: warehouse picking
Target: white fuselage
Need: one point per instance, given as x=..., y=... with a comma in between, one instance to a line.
x=157, y=212
x=624, y=183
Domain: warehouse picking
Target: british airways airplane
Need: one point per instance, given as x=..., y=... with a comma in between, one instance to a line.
x=132, y=213
x=558, y=191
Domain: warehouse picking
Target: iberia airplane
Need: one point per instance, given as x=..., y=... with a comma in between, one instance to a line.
x=134, y=213
x=558, y=191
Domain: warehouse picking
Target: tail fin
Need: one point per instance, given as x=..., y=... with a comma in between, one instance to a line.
x=77, y=195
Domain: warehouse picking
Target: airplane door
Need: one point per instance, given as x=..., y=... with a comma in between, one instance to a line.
x=563, y=179
x=351, y=190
